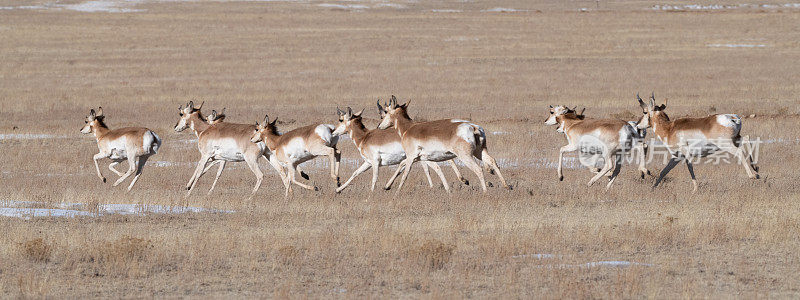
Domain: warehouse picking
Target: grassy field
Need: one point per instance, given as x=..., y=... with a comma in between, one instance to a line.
x=297, y=61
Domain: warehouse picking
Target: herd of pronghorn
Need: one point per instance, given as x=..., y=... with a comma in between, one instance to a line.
x=409, y=141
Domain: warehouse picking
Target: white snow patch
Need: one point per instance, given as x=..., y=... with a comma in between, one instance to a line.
x=700, y=7
x=28, y=136
x=447, y=10
x=344, y=6
x=737, y=45
x=504, y=9
x=461, y=39
x=104, y=6
x=392, y=5
x=28, y=209
x=536, y=256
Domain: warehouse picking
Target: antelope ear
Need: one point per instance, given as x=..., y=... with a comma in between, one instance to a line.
x=190, y=105
x=100, y=111
x=180, y=108
x=358, y=114
x=213, y=115
x=380, y=108
x=551, y=106
x=641, y=103
x=266, y=119
x=92, y=113
x=405, y=105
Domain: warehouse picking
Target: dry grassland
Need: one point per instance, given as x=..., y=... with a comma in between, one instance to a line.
x=734, y=238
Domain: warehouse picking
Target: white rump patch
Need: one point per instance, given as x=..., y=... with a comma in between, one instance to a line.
x=325, y=132
x=729, y=120
x=467, y=133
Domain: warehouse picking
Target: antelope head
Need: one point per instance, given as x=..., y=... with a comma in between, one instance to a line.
x=263, y=128
x=649, y=111
x=392, y=111
x=346, y=119
x=186, y=113
x=557, y=111
x=93, y=120
x=215, y=117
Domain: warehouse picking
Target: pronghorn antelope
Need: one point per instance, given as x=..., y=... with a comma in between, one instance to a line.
x=610, y=137
x=378, y=147
x=136, y=144
x=693, y=138
x=440, y=140
x=298, y=146
x=224, y=142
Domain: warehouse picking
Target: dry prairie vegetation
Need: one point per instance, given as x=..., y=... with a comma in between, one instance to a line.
x=297, y=61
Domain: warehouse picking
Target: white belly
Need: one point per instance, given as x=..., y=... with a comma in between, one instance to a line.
x=118, y=149
x=391, y=154
x=297, y=151
x=227, y=150
x=434, y=151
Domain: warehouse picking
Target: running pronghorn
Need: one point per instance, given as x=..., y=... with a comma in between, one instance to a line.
x=296, y=147
x=378, y=147
x=224, y=142
x=608, y=138
x=693, y=138
x=136, y=144
x=440, y=140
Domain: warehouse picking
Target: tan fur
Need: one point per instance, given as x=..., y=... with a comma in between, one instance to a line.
x=369, y=142
x=209, y=139
x=414, y=135
x=120, y=145
x=279, y=144
x=608, y=131
x=684, y=135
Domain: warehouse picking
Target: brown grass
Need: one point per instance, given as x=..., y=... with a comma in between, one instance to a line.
x=297, y=61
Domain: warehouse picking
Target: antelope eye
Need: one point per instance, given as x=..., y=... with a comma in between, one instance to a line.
x=84, y=121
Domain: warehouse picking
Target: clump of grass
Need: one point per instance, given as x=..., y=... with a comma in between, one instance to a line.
x=289, y=255
x=432, y=254
x=37, y=250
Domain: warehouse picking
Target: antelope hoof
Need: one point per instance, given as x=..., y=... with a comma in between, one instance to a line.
x=316, y=189
x=509, y=187
x=104, y=179
x=304, y=175
x=491, y=171
x=489, y=184
x=561, y=178
x=465, y=181
x=386, y=188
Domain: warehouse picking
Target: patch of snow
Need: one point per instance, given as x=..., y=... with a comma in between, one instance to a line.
x=103, y=6
x=28, y=209
x=28, y=136
x=461, y=39
x=344, y=6
x=737, y=45
x=504, y=9
x=595, y=264
x=392, y=5
x=700, y=7
x=500, y=132
x=447, y=10
x=536, y=256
